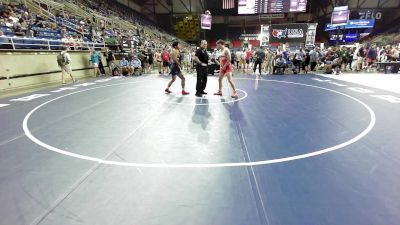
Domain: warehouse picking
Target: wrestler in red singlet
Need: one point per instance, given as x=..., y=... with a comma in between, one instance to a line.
x=226, y=69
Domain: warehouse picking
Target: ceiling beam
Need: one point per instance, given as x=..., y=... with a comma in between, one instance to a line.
x=382, y=3
x=202, y=5
x=164, y=6
x=361, y=4
x=184, y=5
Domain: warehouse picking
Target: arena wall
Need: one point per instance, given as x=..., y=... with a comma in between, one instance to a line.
x=29, y=69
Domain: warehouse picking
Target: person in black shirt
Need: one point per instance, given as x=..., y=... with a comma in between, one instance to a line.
x=201, y=58
x=260, y=56
x=110, y=60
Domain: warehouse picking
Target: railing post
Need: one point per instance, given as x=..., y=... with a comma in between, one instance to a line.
x=12, y=43
x=48, y=44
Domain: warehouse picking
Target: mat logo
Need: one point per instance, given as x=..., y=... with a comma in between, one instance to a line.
x=279, y=33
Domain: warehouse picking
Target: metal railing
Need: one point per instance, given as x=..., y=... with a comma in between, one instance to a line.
x=38, y=44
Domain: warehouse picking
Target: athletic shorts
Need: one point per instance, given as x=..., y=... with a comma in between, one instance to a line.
x=95, y=65
x=175, y=70
x=247, y=61
x=165, y=64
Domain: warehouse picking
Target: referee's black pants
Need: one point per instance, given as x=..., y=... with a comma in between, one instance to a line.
x=201, y=84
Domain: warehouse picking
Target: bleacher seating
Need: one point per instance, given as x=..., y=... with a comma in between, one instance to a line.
x=95, y=21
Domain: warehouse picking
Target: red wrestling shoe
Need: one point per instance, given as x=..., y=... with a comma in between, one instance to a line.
x=185, y=93
x=167, y=91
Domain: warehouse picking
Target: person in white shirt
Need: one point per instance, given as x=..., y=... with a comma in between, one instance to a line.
x=279, y=51
x=136, y=64
x=314, y=58
x=64, y=60
x=238, y=55
x=299, y=60
x=279, y=65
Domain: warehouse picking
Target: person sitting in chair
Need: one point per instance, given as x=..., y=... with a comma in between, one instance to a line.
x=136, y=64
x=125, y=67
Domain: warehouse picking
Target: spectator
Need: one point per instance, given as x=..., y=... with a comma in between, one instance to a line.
x=337, y=64
x=314, y=58
x=394, y=53
x=307, y=60
x=30, y=33
x=269, y=61
x=64, y=60
x=136, y=65
x=157, y=57
x=150, y=57
x=77, y=43
x=165, y=58
x=125, y=67
x=371, y=57
x=242, y=59
x=381, y=54
x=101, y=67
x=298, y=60
x=248, y=58
x=144, y=61
x=360, y=57
x=94, y=59
x=187, y=61
x=279, y=64
x=110, y=57
x=4, y=41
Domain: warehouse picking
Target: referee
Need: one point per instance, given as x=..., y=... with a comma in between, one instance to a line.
x=201, y=59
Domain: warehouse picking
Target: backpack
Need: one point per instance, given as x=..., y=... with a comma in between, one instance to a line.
x=61, y=59
x=165, y=56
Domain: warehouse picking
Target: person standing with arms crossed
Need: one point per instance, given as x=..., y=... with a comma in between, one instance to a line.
x=201, y=59
x=226, y=68
x=176, y=68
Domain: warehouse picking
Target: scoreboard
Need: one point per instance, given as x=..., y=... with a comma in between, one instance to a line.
x=271, y=6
